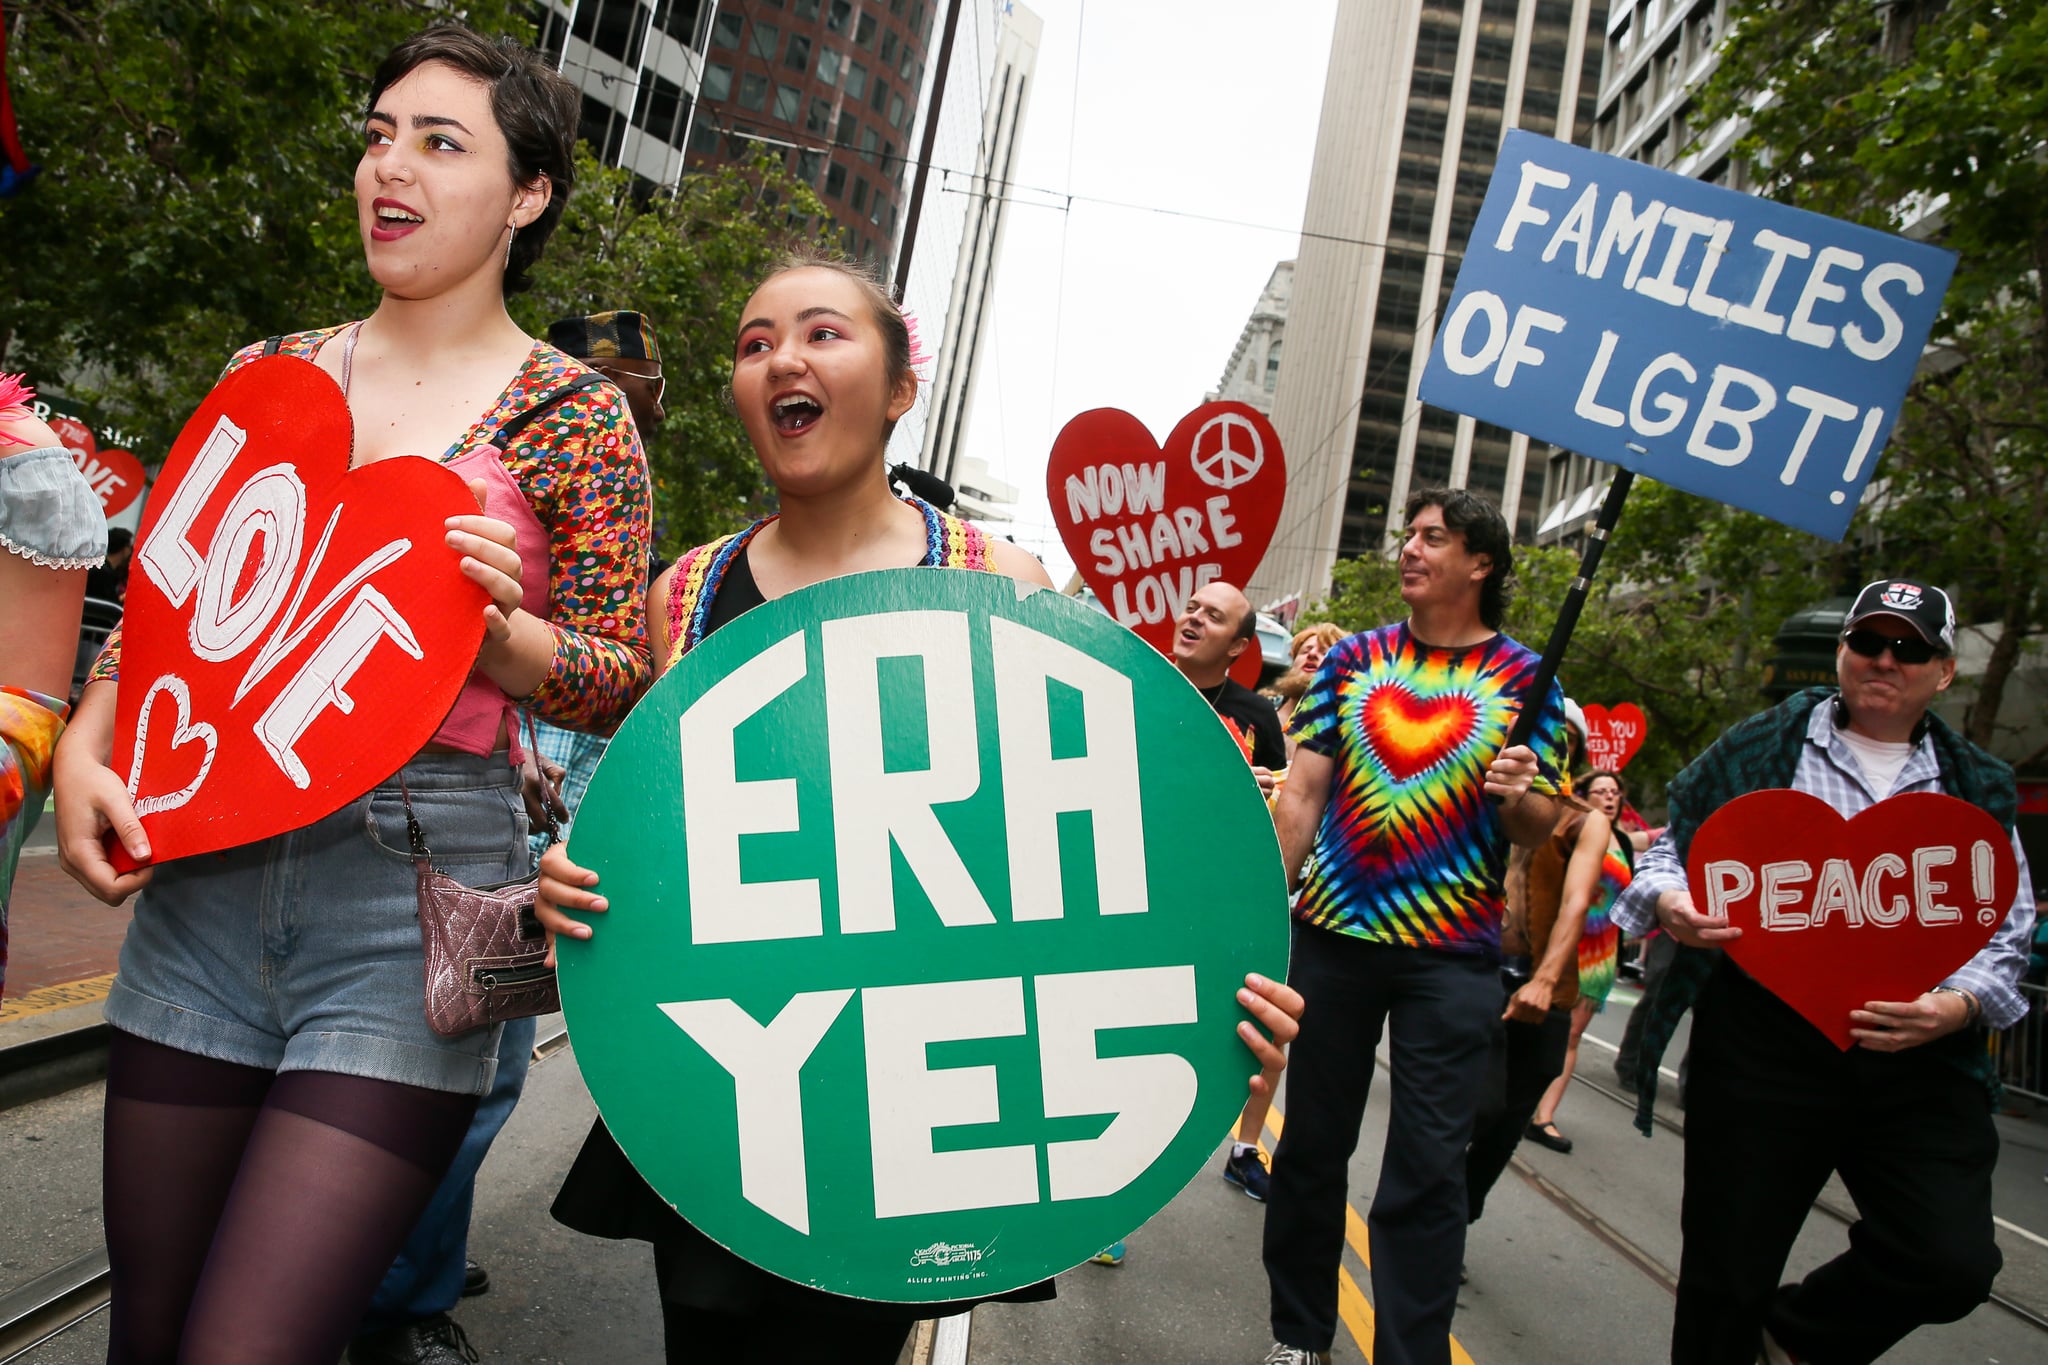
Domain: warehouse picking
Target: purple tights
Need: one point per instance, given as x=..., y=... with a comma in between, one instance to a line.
x=251, y=1214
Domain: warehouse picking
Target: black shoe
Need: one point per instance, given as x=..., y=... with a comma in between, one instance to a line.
x=438, y=1340
x=1625, y=1080
x=475, y=1280
x=1547, y=1135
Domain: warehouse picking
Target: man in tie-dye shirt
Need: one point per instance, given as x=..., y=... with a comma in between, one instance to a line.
x=1403, y=788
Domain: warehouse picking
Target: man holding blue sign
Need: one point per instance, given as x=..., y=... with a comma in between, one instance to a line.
x=1409, y=792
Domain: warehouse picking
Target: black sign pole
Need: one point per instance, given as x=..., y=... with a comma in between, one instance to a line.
x=1574, y=602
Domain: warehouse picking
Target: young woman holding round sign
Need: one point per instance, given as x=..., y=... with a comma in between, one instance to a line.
x=822, y=371
x=278, y=1110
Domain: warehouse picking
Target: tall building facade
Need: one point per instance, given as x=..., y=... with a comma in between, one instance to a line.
x=951, y=289
x=1418, y=96
x=638, y=65
x=1253, y=374
x=1656, y=54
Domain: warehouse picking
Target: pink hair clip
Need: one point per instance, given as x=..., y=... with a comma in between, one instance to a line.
x=919, y=357
x=14, y=399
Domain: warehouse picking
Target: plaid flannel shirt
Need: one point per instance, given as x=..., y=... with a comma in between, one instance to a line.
x=1827, y=769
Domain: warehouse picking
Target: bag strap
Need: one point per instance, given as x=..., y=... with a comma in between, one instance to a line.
x=270, y=346
x=516, y=427
x=416, y=838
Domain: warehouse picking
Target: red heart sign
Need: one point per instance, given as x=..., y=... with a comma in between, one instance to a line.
x=1837, y=913
x=1612, y=737
x=295, y=629
x=1149, y=525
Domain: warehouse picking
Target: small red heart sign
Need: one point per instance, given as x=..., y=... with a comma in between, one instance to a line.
x=1836, y=913
x=1148, y=525
x=1612, y=737
x=295, y=629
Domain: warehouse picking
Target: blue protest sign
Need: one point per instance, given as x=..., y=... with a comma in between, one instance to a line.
x=1731, y=346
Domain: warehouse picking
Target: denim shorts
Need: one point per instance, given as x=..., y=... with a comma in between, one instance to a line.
x=302, y=952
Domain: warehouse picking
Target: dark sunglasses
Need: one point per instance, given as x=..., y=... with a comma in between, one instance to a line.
x=1870, y=644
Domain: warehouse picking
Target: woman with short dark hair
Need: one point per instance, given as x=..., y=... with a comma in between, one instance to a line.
x=278, y=1109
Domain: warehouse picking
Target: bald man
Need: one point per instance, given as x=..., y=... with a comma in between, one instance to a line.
x=1214, y=627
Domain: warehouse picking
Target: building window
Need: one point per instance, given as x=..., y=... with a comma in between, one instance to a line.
x=895, y=6
x=870, y=143
x=753, y=91
x=703, y=138
x=879, y=100
x=856, y=80
x=844, y=137
x=864, y=31
x=895, y=111
x=765, y=38
x=908, y=66
x=828, y=66
x=841, y=14
x=798, y=58
x=917, y=18
x=717, y=82
x=820, y=120
x=835, y=180
x=660, y=108
x=877, y=209
x=806, y=9
x=888, y=47
x=789, y=102
x=860, y=193
x=808, y=164
x=614, y=29
x=1273, y=365
x=678, y=19
x=726, y=32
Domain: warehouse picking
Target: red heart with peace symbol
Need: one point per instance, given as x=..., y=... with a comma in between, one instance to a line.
x=1836, y=913
x=1613, y=736
x=1149, y=524
x=295, y=629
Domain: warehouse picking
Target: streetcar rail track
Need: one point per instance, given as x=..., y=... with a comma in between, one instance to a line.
x=1644, y=1260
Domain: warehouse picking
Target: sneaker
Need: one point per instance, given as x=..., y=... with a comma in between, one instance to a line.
x=438, y=1340
x=1113, y=1254
x=475, y=1280
x=1294, y=1355
x=1249, y=1174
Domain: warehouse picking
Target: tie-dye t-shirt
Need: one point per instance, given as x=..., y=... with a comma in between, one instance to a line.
x=1411, y=852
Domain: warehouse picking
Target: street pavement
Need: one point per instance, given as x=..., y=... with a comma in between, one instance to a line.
x=1544, y=1286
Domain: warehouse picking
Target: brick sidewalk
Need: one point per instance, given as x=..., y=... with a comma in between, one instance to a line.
x=56, y=933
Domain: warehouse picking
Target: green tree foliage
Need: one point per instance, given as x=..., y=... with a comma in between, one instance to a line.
x=197, y=194
x=1931, y=115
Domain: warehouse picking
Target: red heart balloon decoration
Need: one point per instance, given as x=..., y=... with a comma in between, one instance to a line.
x=1836, y=913
x=1411, y=735
x=1148, y=525
x=295, y=629
x=1612, y=737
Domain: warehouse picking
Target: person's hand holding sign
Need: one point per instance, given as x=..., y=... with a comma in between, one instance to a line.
x=517, y=647
x=1681, y=920
x=565, y=886
x=1895, y=1025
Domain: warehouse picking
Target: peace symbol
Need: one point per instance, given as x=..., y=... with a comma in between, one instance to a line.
x=1227, y=465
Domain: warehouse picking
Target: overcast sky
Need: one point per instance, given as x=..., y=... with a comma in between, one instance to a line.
x=1147, y=113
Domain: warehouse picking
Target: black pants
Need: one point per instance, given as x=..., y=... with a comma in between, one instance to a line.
x=1657, y=959
x=1774, y=1108
x=1442, y=1009
x=1526, y=1058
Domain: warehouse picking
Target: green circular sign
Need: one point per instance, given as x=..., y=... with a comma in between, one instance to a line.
x=930, y=897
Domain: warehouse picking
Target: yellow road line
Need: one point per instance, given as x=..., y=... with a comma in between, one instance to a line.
x=51, y=998
x=1353, y=1308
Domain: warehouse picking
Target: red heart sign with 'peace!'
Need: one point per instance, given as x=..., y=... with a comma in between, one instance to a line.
x=1836, y=913
x=1148, y=525
x=295, y=629
x=1612, y=737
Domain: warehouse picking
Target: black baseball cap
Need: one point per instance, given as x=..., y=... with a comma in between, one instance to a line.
x=1924, y=606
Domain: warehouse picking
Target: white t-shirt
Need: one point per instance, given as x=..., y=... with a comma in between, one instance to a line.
x=1880, y=759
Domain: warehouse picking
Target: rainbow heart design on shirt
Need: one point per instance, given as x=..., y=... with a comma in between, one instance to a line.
x=1411, y=735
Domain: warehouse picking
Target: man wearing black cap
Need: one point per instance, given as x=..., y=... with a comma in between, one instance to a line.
x=1772, y=1106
